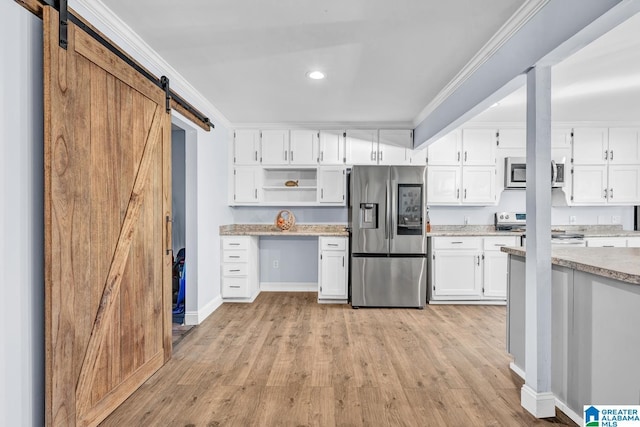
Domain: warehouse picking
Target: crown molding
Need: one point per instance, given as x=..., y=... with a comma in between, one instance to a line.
x=103, y=18
x=325, y=125
x=511, y=27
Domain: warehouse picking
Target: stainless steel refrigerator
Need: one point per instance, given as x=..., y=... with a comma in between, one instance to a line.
x=388, y=242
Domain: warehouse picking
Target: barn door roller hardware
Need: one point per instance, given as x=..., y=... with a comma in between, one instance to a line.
x=66, y=17
x=164, y=80
x=63, y=15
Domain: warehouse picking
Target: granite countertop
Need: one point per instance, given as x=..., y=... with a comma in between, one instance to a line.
x=272, y=230
x=617, y=263
x=489, y=230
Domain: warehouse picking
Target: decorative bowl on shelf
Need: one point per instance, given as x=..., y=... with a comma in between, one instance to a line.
x=285, y=220
x=291, y=183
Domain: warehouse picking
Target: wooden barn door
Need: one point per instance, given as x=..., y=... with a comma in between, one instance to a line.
x=107, y=201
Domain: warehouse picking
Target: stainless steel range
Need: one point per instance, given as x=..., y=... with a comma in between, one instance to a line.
x=517, y=221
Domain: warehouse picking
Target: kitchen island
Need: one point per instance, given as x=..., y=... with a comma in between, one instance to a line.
x=595, y=344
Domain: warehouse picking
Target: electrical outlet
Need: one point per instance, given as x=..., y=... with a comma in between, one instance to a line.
x=572, y=219
x=276, y=264
x=615, y=219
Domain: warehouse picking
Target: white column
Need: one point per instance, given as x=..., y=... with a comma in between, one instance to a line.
x=536, y=396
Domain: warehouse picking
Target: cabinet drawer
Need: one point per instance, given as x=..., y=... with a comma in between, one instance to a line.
x=234, y=243
x=457, y=242
x=235, y=287
x=335, y=244
x=230, y=269
x=495, y=243
x=235, y=256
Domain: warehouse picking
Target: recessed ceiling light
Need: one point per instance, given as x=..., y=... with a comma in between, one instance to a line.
x=315, y=75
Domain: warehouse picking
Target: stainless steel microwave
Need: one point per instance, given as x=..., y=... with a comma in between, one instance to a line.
x=515, y=172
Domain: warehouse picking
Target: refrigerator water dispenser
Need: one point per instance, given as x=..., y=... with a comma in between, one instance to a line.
x=368, y=215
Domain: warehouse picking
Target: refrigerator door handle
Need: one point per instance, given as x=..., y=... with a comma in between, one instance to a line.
x=392, y=209
x=386, y=212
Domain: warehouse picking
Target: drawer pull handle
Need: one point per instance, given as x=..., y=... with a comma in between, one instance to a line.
x=332, y=244
x=234, y=256
x=234, y=244
x=608, y=246
x=235, y=286
x=456, y=243
x=234, y=271
x=499, y=244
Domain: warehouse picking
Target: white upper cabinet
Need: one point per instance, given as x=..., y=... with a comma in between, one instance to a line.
x=331, y=184
x=624, y=146
x=479, y=147
x=624, y=184
x=246, y=147
x=512, y=138
x=275, y=147
x=246, y=181
x=589, y=185
x=590, y=146
x=303, y=148
x=479, y=185
x=561, y=138
x=331, y=147
x=443, y=185
x=394, y=146
x=606, y=166
x=446, y=151
x=362, y=147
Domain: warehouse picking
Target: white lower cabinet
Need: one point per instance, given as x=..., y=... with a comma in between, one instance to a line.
x=606, y=242
x=239, y=275
x=333, y=269
x=469, y=268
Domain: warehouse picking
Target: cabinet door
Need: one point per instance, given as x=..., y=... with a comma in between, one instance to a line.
x=590, y=146
x=246, y=147
x=443, y=185
x=446, y=151
x=495, y=274
x=624, y=146
x=275, y=147
x=393, y=145
x=479, y=185
x=418, y=157
x=561, y=138
x=589, y=185
x=456, y=273
x=633, y=242
x=362, y=147
x=624, y=184
x=606, y=242
x=303, y=148
x=331, y=147
x=479, y=147
x=512, y=138
x=246, y=180
x=333, y=283
x=331, y=184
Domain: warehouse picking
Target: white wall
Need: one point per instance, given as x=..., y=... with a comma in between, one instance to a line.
x=22, y=219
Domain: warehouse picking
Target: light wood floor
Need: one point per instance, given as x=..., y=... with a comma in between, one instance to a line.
x=286, y=360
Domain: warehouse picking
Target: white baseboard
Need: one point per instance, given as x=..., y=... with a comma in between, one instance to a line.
x=568, y=412
x=289, y=286
x=559, y=404
x=468, y=302
x=515, y=368
x=244, y=300
x=540, y=405
x=196, y=317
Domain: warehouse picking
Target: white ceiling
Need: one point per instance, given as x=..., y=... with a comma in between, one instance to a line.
x=601, y=82
x=385, y=60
